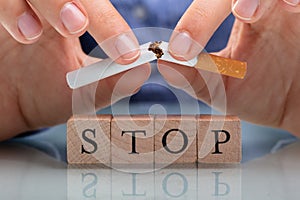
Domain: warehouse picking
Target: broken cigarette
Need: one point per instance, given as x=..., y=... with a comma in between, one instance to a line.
x=151, y=52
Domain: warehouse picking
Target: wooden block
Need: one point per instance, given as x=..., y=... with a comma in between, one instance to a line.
x=88, y=139
x=175, y=140
x=219, y=139
x=132, y=141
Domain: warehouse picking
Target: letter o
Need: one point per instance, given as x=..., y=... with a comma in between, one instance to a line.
x=165, y=145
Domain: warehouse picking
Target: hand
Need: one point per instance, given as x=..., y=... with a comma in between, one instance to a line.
x=33, y=89
x=23, y=20
x=266, y=35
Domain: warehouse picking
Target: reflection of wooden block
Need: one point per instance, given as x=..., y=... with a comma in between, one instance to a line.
x=219, y=181
x=88, y=182
x=219, y=139
x=88, y=139
x=132, y=140
x=129, y=186
x=175, y=140
x=176, y=183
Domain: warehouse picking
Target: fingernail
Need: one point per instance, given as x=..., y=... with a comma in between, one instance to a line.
x=292, y=2
x=127, y=48
x=180, y=45
x=29, y=26
x=73, y=18
x=245, y=9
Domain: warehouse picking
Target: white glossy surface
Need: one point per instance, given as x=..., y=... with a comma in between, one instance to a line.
x=35, y=168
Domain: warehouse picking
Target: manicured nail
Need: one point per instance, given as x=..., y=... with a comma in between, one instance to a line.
x=180, y=45
x=127, y=48
x=29, y=26
x=292, y=2
x=245, y=9
x=73, y=18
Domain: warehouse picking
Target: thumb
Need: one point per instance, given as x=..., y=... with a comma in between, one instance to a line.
x=206, y=86
x=109, y=90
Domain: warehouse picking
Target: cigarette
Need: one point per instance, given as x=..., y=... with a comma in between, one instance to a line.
x=104, y=68
x=107, y=67
x=225, y=66
x=209, y=62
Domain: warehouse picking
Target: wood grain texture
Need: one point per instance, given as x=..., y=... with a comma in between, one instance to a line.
x=219, y=139
x=175, y=140
x=157, y=140
x=88, y=140
x=126, y=149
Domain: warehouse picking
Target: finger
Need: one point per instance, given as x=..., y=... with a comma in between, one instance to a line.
x=67, y=17
x=250, y=11
x=20, y=21
x=121, y=85
x=196, y=27
x=111, y=31
x=206, y=86
x=291, y=5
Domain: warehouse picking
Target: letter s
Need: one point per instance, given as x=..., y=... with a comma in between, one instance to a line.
x=92, y=142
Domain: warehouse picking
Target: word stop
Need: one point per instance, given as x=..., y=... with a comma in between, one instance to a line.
x=149, y=140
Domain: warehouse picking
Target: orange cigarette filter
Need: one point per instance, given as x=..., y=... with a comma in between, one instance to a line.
x=224, y=66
